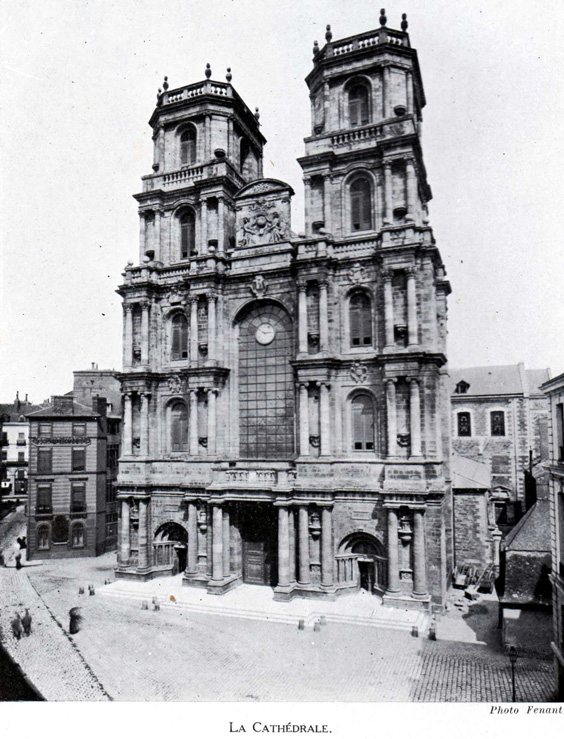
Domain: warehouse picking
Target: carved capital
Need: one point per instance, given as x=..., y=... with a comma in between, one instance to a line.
x=411, y=272
x=128, y=307
x=302, y=286
x=387, y=275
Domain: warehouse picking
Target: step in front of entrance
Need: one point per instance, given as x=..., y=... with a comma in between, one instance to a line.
x=385, y=618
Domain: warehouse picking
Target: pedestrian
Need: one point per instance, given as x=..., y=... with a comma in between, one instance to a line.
x=26, y=622
x=17, y=626
x=18, y=561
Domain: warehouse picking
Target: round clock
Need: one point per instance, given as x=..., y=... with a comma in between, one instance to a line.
x=265, y=333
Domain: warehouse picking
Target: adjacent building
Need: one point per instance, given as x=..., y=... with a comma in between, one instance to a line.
x=286, y=399
x=500, y=416
x=71, y=510
x=555, y=391
x=14, y=436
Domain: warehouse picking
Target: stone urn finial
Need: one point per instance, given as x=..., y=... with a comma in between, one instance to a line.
x=328, y=34
x=208, y=71
x=229, y=76
x=404, y=23
x=315, y=48
x=383, y=19
x=165, y=83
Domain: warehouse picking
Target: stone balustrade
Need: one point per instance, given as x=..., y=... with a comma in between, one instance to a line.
x=347, y=569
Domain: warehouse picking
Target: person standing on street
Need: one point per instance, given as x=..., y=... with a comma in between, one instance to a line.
x=26, y=622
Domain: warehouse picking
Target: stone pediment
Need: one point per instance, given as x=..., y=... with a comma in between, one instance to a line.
x=263, y=213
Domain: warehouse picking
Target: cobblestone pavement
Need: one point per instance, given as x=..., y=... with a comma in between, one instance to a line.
x=48, y=656
x=174, y=655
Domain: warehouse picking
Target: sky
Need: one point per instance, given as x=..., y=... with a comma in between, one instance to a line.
x=78, y=83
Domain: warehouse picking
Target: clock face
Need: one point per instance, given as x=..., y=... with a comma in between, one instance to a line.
x=265, y=333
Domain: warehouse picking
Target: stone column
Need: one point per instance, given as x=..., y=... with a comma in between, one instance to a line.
x=412, y=327
x=393, y=554
x=192, y=558
x=292, y=540
x=415, y=418
x=145, y=333
x=389, y=310
x=128, y=337
x=220, y=225
x=211, y=326
x=142, y=234
x=194, y=332
x=411, y=190
x=283, y=547
x=327, y=214
x=226, y=543
x=409, y=91
x=391, y=416
x=327, y=558
x=143, y=534
x=325, y=420
x=124, y=543
x=157, y=243
x=304, y=419
x=127, y=425
x=388, y=195
x=386, y=92
x=419, y=559
x=302, y=317
x=217, y=546
x=203, y=227
x=303, y=545
x=323, y=318
x=194, y=443
x=211, y=420
x=145, y=424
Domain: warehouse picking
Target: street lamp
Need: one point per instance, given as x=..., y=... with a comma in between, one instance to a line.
x=513, y=659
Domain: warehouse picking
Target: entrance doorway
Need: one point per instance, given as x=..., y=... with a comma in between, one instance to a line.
x=366, y=574
x=258, y=525
x=371, y=560
x=170, y=546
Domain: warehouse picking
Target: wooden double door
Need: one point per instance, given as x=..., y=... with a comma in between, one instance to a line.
x=260, y=543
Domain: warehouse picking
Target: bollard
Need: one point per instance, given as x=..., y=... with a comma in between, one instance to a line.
x=323, y=620
x=414, y=631
x=81, y=591
x=301, y=624
x=144, y=605
x=316, y=626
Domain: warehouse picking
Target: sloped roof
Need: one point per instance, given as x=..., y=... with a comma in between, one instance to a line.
x=470, y=474
x=14, y=412
x=77, y=410
x=532, y=533
x=505, y=379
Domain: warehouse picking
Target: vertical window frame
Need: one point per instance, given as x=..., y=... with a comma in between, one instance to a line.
x=462, y=418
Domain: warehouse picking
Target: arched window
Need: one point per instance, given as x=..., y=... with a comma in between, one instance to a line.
x=179, y=428
x=43, y=537
x=361, y=205
x=464, y=424
x=78, y=535
x=360, y=320
x=187, y=234
x=358, y=104
x=179, y=343
x=188, y=147
x=362, y=409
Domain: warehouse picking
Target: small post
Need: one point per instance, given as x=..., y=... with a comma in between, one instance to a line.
x=513, y=656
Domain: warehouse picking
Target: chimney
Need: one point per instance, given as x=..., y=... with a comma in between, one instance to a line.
x=99, y=405
x=26, y=400
x=63, y=405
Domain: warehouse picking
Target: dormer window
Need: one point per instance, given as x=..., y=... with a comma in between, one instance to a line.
x=462, y=388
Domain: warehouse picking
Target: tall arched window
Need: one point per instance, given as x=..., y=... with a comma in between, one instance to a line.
x=179, y=343
x=362, y=409
x=361, y=205
x=188, y=147
x=358, y=105
x=187, y=234
x=360, y=320
x=179, y=427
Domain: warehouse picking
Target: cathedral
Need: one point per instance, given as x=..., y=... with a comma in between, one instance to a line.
x=285, y=396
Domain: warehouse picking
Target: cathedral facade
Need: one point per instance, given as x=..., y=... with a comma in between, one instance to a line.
x=286, y=406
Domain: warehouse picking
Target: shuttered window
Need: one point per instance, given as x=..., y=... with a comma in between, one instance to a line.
x=361, y=205
x=360, y=315
x=187, y=235
x=188, y=147
x=179, y=348
x=363, y=423
x=179, y=427
x=358, y=105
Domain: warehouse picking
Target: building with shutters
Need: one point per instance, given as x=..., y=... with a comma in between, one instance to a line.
x=14, y=437
x=286, y=398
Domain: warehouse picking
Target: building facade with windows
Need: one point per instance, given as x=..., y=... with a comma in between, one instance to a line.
x=555, y=391
x=286, y=417
x=500, y=417
x=14, y=448
x=68, y=511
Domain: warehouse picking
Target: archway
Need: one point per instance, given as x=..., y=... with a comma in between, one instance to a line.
x=371, y=559
x=170, y=546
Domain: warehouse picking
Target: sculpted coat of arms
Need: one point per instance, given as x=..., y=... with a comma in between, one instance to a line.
x=358, y=373
x=175, y=384
x=357, y=274
x=261, y=228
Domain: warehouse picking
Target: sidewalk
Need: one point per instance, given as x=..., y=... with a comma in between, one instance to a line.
x=48, y=657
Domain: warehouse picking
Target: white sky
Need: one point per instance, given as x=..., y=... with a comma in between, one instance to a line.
x=78, y=85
